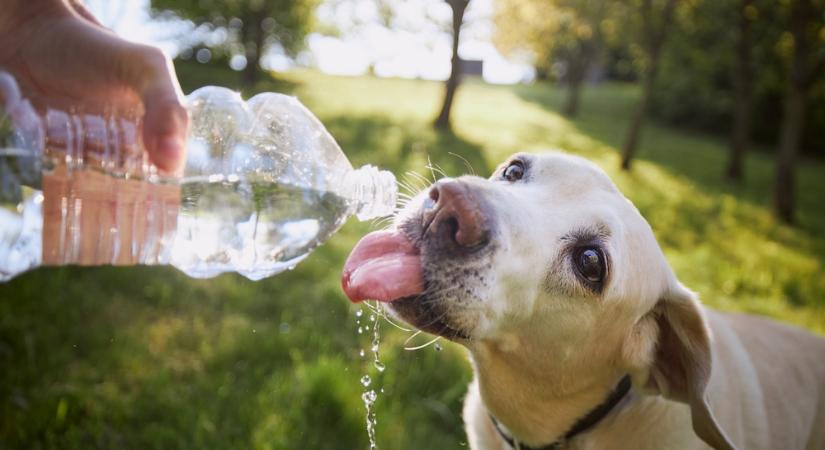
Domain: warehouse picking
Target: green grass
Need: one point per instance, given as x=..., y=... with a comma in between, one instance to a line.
x=147, y=358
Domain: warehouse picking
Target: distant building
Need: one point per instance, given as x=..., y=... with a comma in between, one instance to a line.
x=472, y=67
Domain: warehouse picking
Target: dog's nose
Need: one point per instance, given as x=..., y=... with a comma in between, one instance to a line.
x=454, y=212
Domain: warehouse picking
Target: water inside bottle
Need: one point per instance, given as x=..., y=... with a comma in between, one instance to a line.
x=20, y=232
x=255, y=227
x=203, y=225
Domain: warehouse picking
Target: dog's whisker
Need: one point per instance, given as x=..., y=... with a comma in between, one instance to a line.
x=435, y=169
x=382, y=221
x=440, y=170
x=395, y=324
x=466, y=163
x=409, y=186
x=373, y=309
x=425, y=345
x=379, y=221
x=411, y=337
x=412, y=176
x=430, y=167
x=421, y=179
x=381, y=313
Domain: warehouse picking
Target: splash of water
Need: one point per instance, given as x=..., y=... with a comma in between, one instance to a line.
x=370, y=396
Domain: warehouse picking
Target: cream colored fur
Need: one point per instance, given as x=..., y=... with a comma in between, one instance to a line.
x=545, y=351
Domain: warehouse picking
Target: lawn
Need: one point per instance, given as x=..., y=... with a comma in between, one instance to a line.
x=148, y=358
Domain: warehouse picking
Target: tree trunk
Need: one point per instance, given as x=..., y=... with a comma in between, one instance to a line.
x=579, y=64
x=443, y=119
x=655, y=41
x=253, y=46
x=740, y=135
x=251, y=73
x=806, y=65
x=571, y=105
x=637, y=121
x=793, y=118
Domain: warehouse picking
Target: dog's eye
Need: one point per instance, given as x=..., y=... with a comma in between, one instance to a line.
x=589, y=262
x=513, y=172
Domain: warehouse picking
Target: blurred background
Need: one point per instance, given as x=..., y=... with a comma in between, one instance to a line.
x=708, y=114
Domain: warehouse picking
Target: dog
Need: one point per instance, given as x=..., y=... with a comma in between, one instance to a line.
x=579, y=333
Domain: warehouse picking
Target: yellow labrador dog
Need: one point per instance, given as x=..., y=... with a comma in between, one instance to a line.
x=580, y=335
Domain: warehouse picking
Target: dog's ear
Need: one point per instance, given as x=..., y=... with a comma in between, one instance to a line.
x=681, y=362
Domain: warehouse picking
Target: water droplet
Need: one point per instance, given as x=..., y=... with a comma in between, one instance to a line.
x=374, y=347
x=359, y=313
x=366, y=380
x=360, y=330
x=369, y=398
x=379, y=365
x=438, y=347
x=372, y=317
x=361, y=353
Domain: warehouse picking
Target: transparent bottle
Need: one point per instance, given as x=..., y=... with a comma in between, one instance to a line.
x=263, y=185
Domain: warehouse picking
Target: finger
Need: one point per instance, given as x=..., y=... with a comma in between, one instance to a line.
x=81, y=10
x=165, y=119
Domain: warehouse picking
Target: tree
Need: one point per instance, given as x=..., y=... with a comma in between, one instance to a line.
x=443, y=120
x=570, y=32
x=252, y=27
x=743, y=92
x=651, y=42
x=807, y=59
x=696, y=85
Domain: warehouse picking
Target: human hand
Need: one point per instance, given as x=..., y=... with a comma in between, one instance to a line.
x=62, y=56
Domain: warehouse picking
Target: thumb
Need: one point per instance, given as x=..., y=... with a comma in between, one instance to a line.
x=165, y=119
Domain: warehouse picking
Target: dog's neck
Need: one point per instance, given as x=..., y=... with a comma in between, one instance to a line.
x=538, y=402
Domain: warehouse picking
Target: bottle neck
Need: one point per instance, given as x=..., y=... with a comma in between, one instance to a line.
x=373, y=192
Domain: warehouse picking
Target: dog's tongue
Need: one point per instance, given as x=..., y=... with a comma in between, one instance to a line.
x=384, y=266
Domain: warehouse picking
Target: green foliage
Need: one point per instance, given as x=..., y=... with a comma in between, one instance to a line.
x=695, y=87
x=148, y=358
x=569, y=32
x=251, y=26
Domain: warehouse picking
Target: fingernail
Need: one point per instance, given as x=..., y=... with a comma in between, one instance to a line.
x=169, y=153
x=169, y=145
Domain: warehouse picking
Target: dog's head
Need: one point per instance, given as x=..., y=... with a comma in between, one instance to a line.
x=547, y=263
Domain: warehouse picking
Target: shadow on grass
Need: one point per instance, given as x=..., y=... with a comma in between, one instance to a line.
x=405, y=146
x=193, y=75
x=694, y=156
x=148, y=358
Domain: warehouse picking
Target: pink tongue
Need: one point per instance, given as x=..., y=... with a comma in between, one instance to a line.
x=383, y=266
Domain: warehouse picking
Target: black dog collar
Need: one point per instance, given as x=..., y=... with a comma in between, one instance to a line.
x=585, y=423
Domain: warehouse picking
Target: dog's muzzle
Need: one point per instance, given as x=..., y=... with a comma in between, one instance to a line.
x=453, y=219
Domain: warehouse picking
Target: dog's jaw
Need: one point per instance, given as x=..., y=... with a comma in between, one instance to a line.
x=454, y=284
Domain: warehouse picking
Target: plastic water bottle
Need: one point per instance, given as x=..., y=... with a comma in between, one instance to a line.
x=264, y=184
